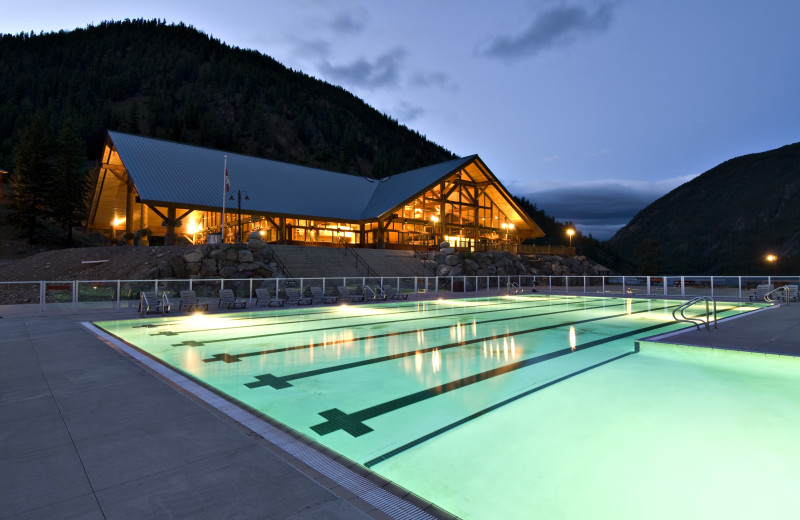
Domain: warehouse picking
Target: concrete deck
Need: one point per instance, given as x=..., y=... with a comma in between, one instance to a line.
x=85, y=432
x=774, y=330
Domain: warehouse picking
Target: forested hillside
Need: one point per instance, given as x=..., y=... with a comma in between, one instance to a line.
x=725, y=221
x=176, y=83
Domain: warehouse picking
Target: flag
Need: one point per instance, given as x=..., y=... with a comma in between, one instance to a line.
x=227, y=181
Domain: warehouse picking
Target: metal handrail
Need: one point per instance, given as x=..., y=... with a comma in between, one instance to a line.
x=515, y=286
x=786, y=294
x=280, y=264
x=370, y=272
x=696, y=321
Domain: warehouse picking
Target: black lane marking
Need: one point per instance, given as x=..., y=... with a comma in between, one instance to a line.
x=279, y=382
x=324, y=311
x=233, y=358
x=353, y=423
x=479, y=413
x=333, y=327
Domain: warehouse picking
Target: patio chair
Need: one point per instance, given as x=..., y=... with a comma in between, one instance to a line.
x=226, y=297
x=293, y=297
x=317, y=294
x=264, y=297
x=344, y=293
x=391, y=294
x=149, y=302
x=761, y=291
x=191, y=302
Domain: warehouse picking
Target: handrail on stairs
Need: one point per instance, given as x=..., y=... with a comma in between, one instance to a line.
x=786, y=295
x=370, y=271
x=695, y=320
x=281, y=267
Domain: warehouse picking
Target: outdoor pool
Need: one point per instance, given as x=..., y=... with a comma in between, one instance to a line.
x=512, y=407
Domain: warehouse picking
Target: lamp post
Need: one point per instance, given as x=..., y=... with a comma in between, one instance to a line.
x=570, y=232
x=239, y=197
x=773, y=259
x=434, y=219
x=507, y=226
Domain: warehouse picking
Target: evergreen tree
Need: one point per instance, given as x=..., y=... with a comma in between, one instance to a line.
x=31, y=177
x=69, y=201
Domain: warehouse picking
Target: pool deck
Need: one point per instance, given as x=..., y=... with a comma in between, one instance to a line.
x=85, y=432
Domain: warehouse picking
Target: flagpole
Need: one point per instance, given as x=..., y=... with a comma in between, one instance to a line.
x=224, y=196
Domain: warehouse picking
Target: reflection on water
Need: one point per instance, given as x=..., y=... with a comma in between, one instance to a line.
x=573, y=340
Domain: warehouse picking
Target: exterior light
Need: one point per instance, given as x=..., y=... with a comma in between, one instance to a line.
x=434, y=219
x=570, y=232
x=771, y=258
x=117, y=221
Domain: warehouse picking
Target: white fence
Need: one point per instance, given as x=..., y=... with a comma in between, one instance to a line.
x=123, y=295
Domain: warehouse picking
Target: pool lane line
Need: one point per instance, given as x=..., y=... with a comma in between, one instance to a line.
x=326, y=311
x=280, y=382
x=353, y=423
x=235, y=358
x=194, y=343
x=323, y=319
x=444, y=429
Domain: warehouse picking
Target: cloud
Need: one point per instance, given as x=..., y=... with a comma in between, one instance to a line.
x=347, y=24
x=558, y=26
x=384, y=71
x=434, y=79
x=601, y=207
x=408, y=113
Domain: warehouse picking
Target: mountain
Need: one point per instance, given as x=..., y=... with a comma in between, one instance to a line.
x=723, y=222
x=176, y=83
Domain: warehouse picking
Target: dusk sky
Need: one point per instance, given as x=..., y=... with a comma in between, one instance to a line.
x=592, y=109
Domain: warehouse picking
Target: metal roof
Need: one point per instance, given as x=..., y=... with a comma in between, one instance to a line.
x=166, y=172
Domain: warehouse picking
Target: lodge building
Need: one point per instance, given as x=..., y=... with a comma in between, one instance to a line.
x=176, y=190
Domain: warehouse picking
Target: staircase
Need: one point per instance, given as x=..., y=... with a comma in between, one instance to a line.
x=317, y=262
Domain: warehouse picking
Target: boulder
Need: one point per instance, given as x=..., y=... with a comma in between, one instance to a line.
x=245, y=256
x=442, y=270
x=254, y=244
x=232, y=254
x=209, y=268
x=452, y=260
x=447, y=251
x=193, y=268
x=165, y=269
x=444, y=244
x=193, y=256
x=228, y=271
x=178, y=266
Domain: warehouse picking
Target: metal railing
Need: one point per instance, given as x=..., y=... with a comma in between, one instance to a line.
x=696, y=320
x=347, y=249
x=34, y=297
x=787, y=296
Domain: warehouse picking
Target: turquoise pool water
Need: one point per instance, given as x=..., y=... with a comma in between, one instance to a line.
x=511, y=407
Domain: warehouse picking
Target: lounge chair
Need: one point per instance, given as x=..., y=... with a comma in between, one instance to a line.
x=345, y=294
x=190, y=301
x=761, y=291
x=391, y=294
x=149, y=302
x=264, y=297
x=226, y=297
x=317, y=294
x=793, y=294
x=293, y=296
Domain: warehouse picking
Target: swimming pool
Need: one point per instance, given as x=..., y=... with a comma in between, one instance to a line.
x=511, y=406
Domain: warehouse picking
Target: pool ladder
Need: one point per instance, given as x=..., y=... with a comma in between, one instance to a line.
x=514, y=288
x=696, y=321
x=784, y=300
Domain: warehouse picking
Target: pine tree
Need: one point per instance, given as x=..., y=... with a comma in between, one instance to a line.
x=31, y=177
x=68, y=202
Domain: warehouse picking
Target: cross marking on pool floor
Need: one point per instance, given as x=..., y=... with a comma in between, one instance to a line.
x=353, y=423
x=234, y=358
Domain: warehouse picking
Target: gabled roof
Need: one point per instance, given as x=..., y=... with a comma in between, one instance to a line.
x=170, y=173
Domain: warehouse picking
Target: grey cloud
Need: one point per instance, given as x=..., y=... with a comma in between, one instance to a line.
x=346, y=24
x=314, y=49
x=557, y=26
x=407, y=113
x=599, y=209
x=433, y=79
x=382, y=72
